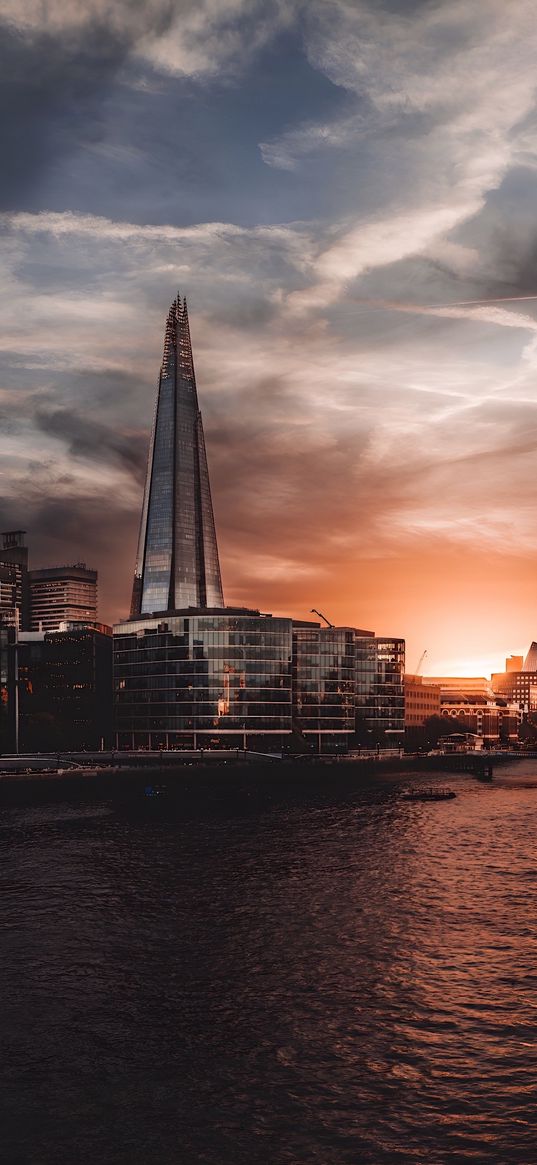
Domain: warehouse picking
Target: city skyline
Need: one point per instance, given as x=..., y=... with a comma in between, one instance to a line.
x=333, y=194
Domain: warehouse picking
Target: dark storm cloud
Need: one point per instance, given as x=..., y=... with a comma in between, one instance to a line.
x=305, y=490
x=52, y=84
x=50, y=89
x=98, y=530
x=92, y=440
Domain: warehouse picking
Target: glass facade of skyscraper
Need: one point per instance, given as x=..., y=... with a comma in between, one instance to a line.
x=202, y=678
x=177, y=563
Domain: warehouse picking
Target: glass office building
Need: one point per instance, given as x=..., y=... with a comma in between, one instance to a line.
x=380, y=693
x=323, y=686
x=203, y=679
x=177, y=563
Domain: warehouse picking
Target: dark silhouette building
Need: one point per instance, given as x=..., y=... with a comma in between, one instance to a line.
x=64, y=681
x=8, y=688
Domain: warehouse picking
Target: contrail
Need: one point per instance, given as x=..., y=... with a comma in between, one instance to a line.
x=398, y=304
x=483, y=302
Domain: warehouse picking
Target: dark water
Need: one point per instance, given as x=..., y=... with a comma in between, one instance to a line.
x=309, y=985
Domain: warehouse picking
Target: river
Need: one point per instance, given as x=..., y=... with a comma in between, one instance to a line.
x=342, y=980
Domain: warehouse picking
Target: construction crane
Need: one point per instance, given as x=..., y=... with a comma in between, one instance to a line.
x=419, y=664
x=314, y=611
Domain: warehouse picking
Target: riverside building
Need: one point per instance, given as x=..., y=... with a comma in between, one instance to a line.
x=56, y=688
x=422, y=700
x=492, y=720
x=203, y=678
x=380, y=693
x=65, y=688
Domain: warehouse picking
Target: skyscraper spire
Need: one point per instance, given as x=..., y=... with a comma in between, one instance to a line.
x=177, y=563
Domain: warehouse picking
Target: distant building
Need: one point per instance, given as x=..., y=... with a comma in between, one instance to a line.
x=493, y=720
x=465, y=685
x=422, y=700
x=530, y=662
x=14, y=595
x=64, y=688
x=514, y=663
x=60, y=594
x=520, y=687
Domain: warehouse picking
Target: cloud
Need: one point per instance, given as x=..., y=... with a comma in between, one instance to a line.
x=91, y=440
x=376, y=244
x=286, y=151
x=423, y=117
x=94, y=528
x=53, y=86
x=362, y=454
x=485, y=313
x=59, y=63
x=193, y=38
x=102, y=229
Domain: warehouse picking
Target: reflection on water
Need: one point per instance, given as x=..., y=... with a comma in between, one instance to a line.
x=353, y=983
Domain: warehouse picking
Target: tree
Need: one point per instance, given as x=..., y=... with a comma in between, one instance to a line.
x=426, y=736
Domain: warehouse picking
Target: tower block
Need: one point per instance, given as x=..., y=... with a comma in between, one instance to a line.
x=177, y=564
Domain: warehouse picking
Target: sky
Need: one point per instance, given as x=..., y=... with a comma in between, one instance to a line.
x=329, y=182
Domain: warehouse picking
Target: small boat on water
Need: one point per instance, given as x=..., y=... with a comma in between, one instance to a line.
x=433, y=793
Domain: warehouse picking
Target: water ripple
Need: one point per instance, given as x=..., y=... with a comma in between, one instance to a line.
x=343, y=985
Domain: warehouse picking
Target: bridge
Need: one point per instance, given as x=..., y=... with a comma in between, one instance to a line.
x=479, y=763
x=84, y=761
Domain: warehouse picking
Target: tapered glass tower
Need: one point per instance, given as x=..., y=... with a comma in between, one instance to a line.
x=177, y=563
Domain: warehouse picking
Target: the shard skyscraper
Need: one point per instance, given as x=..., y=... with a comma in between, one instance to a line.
x=177, y=563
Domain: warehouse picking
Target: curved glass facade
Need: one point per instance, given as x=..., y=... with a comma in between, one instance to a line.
x=192, y=678
x=233, y=678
